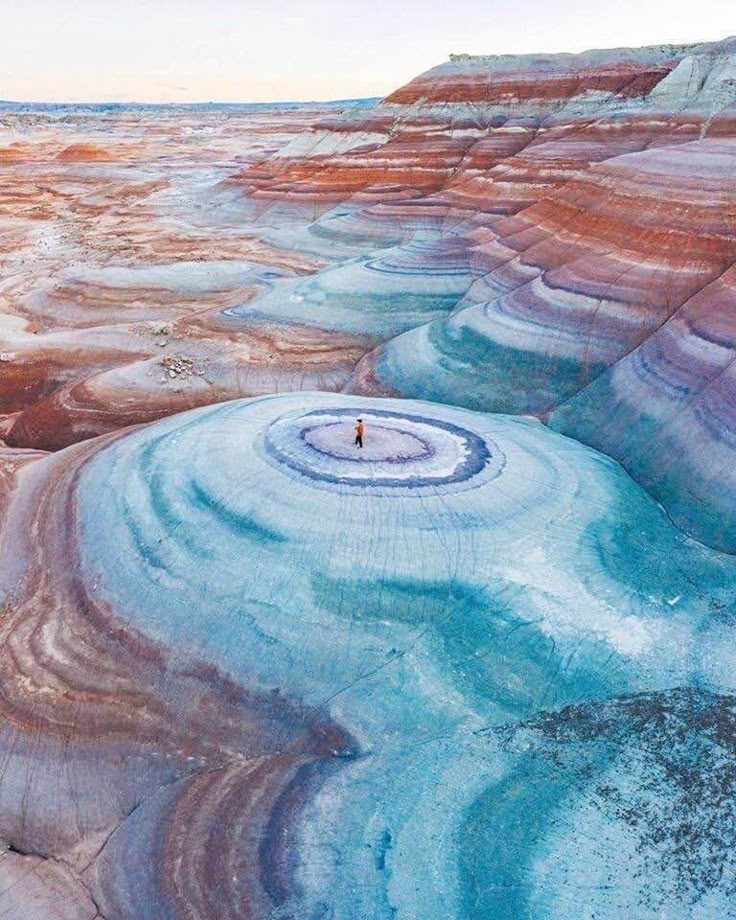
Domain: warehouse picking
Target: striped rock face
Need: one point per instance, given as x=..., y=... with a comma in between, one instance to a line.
x=480, y=667
x=599, y=257
x=266, y=667
x=608, y=310
x=120, y=252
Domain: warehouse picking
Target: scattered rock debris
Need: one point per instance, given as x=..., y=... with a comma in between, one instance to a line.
x=161, y=331
x=180, y=367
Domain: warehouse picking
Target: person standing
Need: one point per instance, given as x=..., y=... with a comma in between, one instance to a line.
x=359, y=432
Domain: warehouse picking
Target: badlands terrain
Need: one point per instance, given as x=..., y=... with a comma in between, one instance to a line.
x=483, y=668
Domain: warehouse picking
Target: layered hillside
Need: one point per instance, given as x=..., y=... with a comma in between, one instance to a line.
x=547, y=234
x=577, y=214
x=472, y=670
x=263, y=668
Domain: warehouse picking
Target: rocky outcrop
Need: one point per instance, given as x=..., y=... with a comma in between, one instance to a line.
x=583, y=284
x=472, y=669
x=244, y=662
x=511, y=233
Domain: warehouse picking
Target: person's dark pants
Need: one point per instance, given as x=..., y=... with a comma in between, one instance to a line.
x=359, y=440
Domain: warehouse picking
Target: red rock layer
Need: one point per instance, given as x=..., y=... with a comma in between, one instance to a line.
x=192, y=363
x=455, y=154
x=506, y=79
x=420, y=160
x=99, y=723
x=609, y=307
x=82, y=355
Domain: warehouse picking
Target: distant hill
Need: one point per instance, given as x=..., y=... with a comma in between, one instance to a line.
x=116, y=107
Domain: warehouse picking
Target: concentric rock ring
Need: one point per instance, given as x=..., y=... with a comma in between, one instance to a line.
x=402, y=450
x=392, y=615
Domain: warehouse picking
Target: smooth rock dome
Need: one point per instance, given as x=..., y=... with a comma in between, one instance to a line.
x=463, y=573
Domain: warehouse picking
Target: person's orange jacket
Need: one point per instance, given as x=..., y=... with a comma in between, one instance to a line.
x=359, y=429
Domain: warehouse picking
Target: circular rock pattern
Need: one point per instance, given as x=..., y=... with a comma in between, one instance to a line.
x=401, y=450
x=434, y=599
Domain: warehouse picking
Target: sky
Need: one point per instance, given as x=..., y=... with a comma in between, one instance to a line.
x=278, y=50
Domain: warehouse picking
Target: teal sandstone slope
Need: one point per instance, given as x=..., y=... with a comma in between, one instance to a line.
x=524, y=652
x=473, y=670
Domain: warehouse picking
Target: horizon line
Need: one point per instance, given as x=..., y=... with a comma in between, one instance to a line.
x=208, y=102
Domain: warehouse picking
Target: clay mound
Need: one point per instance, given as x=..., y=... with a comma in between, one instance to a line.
x=85, y=153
